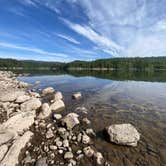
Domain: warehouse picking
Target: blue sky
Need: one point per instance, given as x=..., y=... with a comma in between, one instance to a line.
x=67, y=30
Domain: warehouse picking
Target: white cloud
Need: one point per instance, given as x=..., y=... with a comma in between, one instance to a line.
x=68, y=38
x=30, y=49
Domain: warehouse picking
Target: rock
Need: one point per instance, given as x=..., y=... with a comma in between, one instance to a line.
x=49, y=134
x=19, y=123
x=53, y=147
x=22, y=99
x=63, y=133
x=88, y=151
x=70, y=120
x=3, y=150
x=85, y=139
x=59, y=143
x=23, y=85
x=57, y=96
x=79, y=137
x=123, y=134
x=68, y=155
x=57, y=116
x=6, y=136
x=65, y=143
x=12, y=156
x=37, y=82
x=57, y=106
x=86, y=120
x=90, y=132
x=77, y=96
x=72, y=162
x=99, y=158
x=41, y=162
x=11, y=96
x=82, y=109
x=48, y=90
x=34, y=94
x=60, y=151
x=45, y=111
x=32, y=104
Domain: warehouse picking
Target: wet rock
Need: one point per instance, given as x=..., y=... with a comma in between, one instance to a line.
x=45, y=111
x=123, y=134
x=57, y=96
x=85, y=139
x=77, y=96
x=48, y=90
x=68, y=155
x=98, y=158
x=3, y=150
x=22, y=99
x=57, y=116
x=70, y=120
x=88, y=151
x=57, y=106
x=41, y=162
x=32, y=104
x=11, y=158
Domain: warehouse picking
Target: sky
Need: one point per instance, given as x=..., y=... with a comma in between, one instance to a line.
x=68, y=30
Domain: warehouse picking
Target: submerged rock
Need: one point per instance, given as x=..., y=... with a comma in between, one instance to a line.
x=70, y=120
x=123, y=134
x=57, y=106
x=32, y=104
x=48, y=90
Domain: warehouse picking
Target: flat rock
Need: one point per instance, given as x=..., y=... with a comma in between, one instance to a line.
x=45, y=111
x=48, y=90
x=22, y=98
x=32, y=104
x=57, y=106
x=12, y=156
x=123, y=134
x=3, y=150
x=70, y=120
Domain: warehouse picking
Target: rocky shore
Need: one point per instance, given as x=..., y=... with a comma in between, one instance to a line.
x=35, y=129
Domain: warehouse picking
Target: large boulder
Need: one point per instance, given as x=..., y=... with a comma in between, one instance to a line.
x=45, y=111
x=123, y=134
x=57, y=106
x=12, y=156
x=48, y=90
x=3, y=150
x=32, y=104
x=70, y=120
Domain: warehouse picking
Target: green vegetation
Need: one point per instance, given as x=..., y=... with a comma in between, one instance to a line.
x=135, y=64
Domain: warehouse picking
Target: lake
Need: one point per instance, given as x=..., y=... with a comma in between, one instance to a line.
x=138, y=98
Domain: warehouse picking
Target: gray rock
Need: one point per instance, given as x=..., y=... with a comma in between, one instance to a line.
x=48, y=90
x=85, y=139
x=123, y=134
x=32, y=104
x=41, y=162
x=57, y=106
x=68, y=155
x=70, y=120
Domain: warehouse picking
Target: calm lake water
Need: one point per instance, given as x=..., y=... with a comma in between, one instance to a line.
x=112, y=98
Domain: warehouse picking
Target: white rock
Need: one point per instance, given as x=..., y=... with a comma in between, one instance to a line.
x=57, y=106
x=32, y=104
x=22, y=99
x=57, y=96
x=70, y=120
x=23, y=85
x=99, y=158
x=45, y=111
x=49, y=134
x=65, y=143
x=12, y=156
x=57, y=116
x=48, y=90
x=53, y=147
x=88, y=151
x=85, y=139
x=3, y=150
x=68, y=155
x=123, y=134
x=77, y=95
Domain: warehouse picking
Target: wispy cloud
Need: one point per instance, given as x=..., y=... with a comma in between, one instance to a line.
x=68, y=38
x=106, y=44
x=30, y=49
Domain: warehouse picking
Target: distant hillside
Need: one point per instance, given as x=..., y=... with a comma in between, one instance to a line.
x=139, y=64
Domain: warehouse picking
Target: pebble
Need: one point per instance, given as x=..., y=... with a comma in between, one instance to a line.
x=68, y=155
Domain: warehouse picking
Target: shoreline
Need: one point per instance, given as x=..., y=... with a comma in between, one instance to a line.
x=36, y=124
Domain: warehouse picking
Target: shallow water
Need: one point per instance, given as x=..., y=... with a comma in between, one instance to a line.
x=137, y=98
